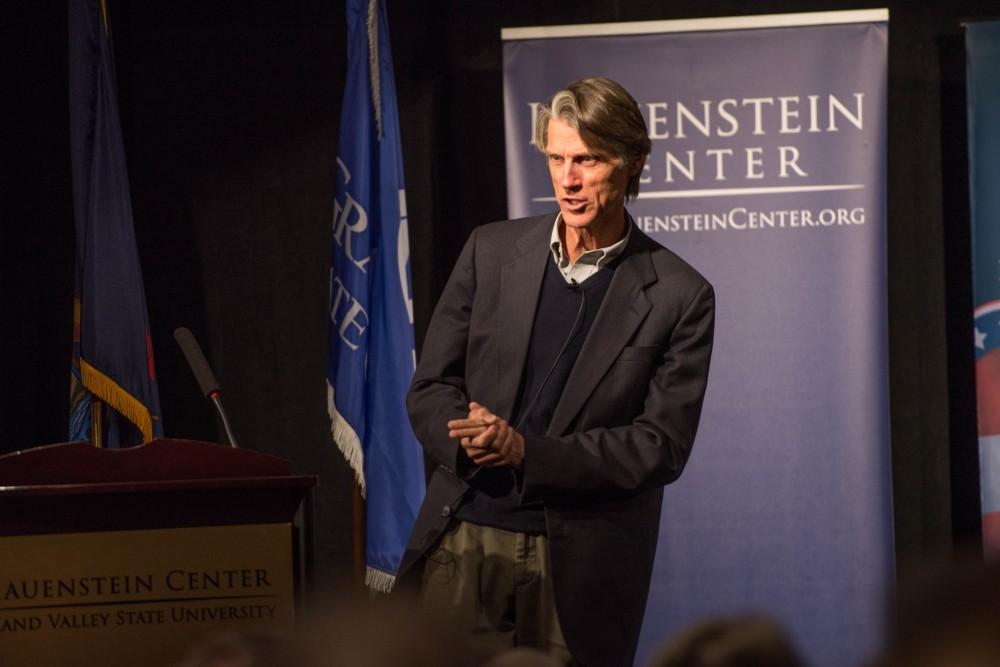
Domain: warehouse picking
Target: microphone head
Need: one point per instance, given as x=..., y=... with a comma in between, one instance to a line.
x=196, y=360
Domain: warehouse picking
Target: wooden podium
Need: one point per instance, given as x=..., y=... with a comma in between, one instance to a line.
x=131, y=556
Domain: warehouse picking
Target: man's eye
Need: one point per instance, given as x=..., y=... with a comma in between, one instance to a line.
x=556, y=159
x=587, y=159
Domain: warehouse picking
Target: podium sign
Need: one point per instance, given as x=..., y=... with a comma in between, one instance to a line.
x=94, y=598
x=132, y=556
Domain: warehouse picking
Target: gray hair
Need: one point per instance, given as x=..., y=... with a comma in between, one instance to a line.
x=606, y=117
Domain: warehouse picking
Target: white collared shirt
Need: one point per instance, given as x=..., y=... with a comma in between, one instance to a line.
x=591, y=261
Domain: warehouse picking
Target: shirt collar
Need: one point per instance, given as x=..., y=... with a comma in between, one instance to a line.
x=598, y=257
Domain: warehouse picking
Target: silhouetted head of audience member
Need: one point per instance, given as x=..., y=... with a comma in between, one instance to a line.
x=524, y=657
x=379, y=632
x=737, y=641
x=948, y=615
x=243, y=649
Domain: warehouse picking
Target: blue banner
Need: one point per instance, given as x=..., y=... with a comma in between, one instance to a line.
x=372, y=357
x=112, y=350
x=982, y=42
x=767, y=173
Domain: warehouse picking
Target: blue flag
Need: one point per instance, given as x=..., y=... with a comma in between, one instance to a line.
x=112, y=350
x=371, y=309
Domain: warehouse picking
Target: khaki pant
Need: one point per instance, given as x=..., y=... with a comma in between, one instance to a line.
x=495, y=587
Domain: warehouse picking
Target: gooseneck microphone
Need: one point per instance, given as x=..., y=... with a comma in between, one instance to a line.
x=203, y=374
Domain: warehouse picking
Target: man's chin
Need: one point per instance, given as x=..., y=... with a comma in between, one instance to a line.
x=577, y=220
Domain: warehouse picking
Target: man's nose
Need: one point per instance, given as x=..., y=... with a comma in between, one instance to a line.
x=569, y=176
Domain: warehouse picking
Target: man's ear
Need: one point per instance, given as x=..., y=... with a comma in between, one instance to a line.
x=636, y=167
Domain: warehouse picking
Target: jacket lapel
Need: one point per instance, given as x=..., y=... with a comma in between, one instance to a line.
x=520, y=287
x=624, y=308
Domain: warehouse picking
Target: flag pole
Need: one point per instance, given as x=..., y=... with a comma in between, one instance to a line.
x=358, y=537
x=96, y=432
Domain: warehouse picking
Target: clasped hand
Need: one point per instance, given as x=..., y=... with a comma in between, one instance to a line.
x=487, y=439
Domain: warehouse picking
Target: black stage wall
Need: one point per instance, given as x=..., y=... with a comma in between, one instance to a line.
x=230, y=115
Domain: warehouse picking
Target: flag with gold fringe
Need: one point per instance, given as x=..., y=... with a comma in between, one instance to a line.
x=113, y=399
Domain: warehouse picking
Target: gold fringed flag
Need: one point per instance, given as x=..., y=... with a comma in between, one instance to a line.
x=112, y=351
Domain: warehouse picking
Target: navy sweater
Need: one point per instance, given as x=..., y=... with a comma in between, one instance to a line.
x=562, y=321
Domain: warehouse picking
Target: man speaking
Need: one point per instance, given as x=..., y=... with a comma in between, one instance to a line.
x=559, y=389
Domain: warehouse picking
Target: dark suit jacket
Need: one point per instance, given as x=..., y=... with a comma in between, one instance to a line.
x=622, y=429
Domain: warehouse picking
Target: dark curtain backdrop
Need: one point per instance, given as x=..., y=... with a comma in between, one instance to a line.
x=230, y=114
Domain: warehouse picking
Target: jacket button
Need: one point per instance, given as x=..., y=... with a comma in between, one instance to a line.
x=446, y=511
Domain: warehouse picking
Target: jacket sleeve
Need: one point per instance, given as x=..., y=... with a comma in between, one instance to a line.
x=652, y=449
x=438, y=392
